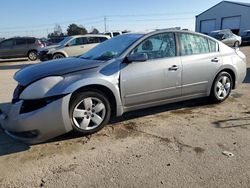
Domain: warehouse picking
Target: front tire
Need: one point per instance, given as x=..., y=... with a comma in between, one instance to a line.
x=58, y=56
x=32, y=55
x=222, y=87
x=89, y=111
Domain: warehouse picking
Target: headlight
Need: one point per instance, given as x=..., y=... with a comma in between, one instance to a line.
x=51, y=50
x=38, y=89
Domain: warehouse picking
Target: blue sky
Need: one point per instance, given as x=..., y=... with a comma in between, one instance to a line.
x=37, y=18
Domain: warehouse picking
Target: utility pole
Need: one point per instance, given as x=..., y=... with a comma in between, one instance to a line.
x=105, y=23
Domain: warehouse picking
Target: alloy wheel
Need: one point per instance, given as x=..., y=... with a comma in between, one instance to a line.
x=32, y=56
x=89, y=113
x=223, y=87
x=58, y=56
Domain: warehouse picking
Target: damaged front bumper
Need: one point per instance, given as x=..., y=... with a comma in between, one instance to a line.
x=39, y=125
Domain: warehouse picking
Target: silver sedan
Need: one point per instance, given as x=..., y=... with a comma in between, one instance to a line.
x=129, y=72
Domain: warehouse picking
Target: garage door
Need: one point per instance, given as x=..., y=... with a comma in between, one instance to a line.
x=207, y=26
x=231, y=23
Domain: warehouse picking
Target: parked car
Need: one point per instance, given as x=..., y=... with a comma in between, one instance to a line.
x=246, y=37
x=113, y=33
x=227, y=37
x=71, y=46
x=20, y=47
x=125, y=73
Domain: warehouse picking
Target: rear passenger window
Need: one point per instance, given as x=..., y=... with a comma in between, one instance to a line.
x=20, y=41
x=212, y=45
x=31, y=41
x=193, y=44
x=92, y=40
x=102, y=39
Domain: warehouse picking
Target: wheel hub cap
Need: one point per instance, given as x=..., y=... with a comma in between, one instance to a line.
x=89, y=113
x=223, y=87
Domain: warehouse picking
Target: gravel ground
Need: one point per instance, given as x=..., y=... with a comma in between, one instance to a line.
x=178, y=145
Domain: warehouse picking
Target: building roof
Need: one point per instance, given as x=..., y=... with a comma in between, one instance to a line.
x=232, y=2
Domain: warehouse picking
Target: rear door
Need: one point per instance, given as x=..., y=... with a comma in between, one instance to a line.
x=20, y=47
x=154, y=80
x=200, y=61
x=6, y=48
x=92, y=42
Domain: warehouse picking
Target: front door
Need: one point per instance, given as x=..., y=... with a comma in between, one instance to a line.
x=76, y=46
x=154, y=80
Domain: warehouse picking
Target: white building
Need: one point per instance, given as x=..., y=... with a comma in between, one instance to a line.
x=224, y=15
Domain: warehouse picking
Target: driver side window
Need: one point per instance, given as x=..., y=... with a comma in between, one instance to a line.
x=157, y=46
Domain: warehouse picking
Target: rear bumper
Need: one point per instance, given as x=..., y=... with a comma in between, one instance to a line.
x=37, y=126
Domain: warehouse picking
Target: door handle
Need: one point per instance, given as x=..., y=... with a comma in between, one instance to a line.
x=82, y=47
x=173, y=68
x=215, y=59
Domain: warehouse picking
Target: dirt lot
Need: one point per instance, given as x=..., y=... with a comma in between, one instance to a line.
x=176, y=145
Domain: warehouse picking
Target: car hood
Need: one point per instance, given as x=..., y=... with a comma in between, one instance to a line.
x=57, y=67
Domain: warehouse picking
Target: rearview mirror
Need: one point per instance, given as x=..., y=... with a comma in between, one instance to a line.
x=137, y=57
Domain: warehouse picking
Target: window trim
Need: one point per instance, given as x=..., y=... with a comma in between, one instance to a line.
x=175, y=40
x=195, y=34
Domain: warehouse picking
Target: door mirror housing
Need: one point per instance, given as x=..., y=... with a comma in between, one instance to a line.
x=137, y=57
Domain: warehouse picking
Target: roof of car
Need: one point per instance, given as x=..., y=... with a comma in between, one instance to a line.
x=161, y=31
x=91, y=35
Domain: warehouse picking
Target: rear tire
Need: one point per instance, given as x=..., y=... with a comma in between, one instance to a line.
x=89, y=111
x=222, y=87
x=32, y=55
x=58, y=56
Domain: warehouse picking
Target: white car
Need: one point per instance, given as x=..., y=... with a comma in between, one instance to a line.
x=227, y=37
x=71, y=46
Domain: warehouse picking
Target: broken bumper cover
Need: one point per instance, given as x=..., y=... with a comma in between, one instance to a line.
x=37, y=126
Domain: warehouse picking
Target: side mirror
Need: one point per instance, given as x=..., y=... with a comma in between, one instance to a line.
x=137, y=57
x=67, y=45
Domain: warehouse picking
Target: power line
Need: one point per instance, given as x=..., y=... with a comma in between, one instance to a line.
x=98, y=18
x=145, y=20
x=52, y=24
x=153, y=14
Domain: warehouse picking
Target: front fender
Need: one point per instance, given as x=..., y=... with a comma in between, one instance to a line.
x=112, y=85
x=61, y=52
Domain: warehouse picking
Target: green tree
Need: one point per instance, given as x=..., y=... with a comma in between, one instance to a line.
x=94, y=31
x=57, y=32
x=74, y=29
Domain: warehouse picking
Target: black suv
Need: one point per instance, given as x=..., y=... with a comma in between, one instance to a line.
x=20, y=47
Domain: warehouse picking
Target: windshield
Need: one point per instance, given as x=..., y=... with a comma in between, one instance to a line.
x=111, y=48
x=64, y=41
